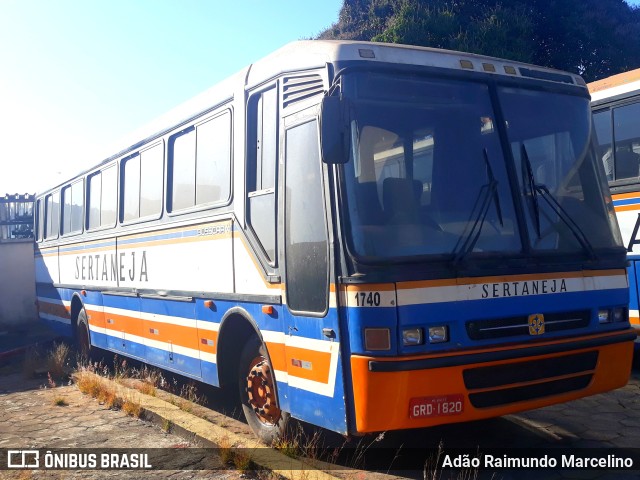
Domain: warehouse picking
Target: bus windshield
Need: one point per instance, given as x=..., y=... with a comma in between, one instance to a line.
x=428, y=175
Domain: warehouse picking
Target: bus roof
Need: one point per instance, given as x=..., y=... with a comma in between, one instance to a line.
x=314, y=54
x=310, y=53
x=615, y=85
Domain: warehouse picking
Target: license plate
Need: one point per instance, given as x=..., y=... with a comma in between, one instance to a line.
x=424, y=407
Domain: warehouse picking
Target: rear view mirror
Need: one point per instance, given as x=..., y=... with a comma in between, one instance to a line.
x=332, y=139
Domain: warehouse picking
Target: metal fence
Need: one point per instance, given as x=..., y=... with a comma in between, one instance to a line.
x=16, y=216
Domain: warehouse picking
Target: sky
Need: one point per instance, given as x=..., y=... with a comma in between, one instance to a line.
x=77, y=75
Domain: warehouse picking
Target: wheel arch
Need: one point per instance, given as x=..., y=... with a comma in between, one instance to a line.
x=236, y=327
x=77, y=305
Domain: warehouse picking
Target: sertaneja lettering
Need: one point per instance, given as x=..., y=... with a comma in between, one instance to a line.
x=113, y=267
x=521, y=289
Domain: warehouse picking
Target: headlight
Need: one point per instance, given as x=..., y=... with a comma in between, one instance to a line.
x=412, y=336
x=620, y=314
x=438, y=334
x=603, y=316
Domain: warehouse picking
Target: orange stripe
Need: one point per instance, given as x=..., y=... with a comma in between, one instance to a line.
x=81, y=251
x=96, y=318
x=370, y=287
x=626, y=208
x=181, y=229
x=189, y=337
x=179, y=335
x=320, y=364
x=614, y=81
x=277, y=356
x=172, y=241
x=54, y=309
x=622, y=196
x=123, y=323
x=176, y=334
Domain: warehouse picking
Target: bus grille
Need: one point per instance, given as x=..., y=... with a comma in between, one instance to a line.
x=516, y=382
x=514, y=326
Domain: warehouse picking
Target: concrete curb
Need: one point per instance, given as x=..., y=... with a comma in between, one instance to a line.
x=20, y=350
x=208, y=434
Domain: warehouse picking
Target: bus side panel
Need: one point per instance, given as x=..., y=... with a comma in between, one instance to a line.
x=314, y=369
x=46, y=265
x=634, y=316
x=54, y=308
x=123, y=325
x=208, y=325
x=627, y=208
x=170, y=334
x=94, y=309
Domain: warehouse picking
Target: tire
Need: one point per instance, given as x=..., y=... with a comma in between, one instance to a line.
x=83, y=335
x=258, y=393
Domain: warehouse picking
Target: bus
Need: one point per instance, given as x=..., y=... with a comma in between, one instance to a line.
x=616, y=116
x=361, y=236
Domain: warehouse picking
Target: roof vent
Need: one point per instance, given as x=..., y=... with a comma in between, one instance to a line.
x=541, y=75
x=296, y=89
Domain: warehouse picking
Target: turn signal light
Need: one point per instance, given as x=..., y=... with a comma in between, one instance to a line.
x=377, y=339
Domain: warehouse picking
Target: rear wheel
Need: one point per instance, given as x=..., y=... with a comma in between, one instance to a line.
x=83, y=337
x=258, y=393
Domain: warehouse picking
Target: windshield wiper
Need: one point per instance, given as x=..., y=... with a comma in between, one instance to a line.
x=559, y=210
x=494, y=182
x=529, y=182
x=470, y=235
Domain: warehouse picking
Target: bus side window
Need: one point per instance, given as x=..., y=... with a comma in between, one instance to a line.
x=200, y=164
x=39, y=220
x=72, y=207
x=52, y=215
x=262, y=156
x=102, y=198
x=626, y=131
x=142, y=184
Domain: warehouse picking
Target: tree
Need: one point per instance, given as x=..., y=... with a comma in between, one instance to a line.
x=595, y=38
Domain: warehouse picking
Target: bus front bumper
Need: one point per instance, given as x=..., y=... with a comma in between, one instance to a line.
x=428, y=390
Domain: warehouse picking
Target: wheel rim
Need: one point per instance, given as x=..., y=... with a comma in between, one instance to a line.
x=261, y=391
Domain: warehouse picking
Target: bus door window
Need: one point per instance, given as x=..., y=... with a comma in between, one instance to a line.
x=262, y=156
x=602, y=125
x=306, y=247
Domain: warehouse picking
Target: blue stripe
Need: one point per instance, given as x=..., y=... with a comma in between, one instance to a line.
x=160, y=236
x=626, y=201
x=85, y=246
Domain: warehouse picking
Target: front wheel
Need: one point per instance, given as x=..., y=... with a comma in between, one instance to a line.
x=258, y=393
x=83, y=337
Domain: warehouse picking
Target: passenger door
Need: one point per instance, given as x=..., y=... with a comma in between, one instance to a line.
x=313, y=361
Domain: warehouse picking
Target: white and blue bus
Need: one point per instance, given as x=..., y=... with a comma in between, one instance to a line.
x=616, y=115
x=362, y=236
